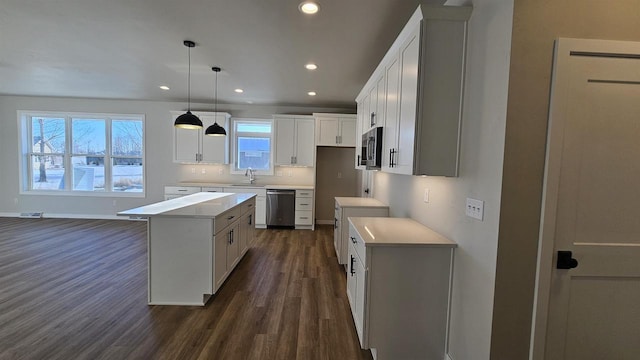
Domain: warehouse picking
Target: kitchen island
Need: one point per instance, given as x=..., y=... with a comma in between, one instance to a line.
x=194, y=242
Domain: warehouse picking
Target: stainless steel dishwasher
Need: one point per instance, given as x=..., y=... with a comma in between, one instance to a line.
x=281, y=206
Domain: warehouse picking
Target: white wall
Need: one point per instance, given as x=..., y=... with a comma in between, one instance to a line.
x=160, y=170
x=483, y=135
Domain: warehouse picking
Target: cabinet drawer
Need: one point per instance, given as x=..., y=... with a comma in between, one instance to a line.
x=181, y=190
x=304, y=218
x=246, y=190
x=304, y=204
x=358, y=244
x=212, y=189
x=226, y=218
x=304, y=193
x=248, y=205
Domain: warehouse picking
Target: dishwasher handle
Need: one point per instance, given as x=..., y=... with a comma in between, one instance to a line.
x=281, y=192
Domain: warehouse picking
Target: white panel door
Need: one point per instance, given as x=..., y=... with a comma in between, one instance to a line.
x=591, y=206
x=305, y=145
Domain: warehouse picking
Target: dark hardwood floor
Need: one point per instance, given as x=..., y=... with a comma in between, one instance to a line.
x=77, y=289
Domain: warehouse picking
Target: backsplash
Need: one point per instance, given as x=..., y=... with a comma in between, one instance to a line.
x=220, y=174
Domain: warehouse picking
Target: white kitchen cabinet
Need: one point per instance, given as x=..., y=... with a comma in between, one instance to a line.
x=294, y=140
x=360, y=154
x=398, y=287
x=260, y=217
x=247, y=231
x=304, y=209
x=346, y=207
x=193, y=146
x=335, y=129
x=172, y=192
x=422, y=100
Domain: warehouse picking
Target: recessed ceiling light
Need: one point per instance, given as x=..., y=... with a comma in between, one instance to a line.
x=311, y=93
x=239, y=91
x=311, y=66
x=164, y=87
x=309, y=7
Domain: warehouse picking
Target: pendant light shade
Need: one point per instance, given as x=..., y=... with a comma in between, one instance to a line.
x=215, y=129
x=188, y=120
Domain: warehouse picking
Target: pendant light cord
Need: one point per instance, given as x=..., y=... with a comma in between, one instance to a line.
x=189, y=83
x=216, y=94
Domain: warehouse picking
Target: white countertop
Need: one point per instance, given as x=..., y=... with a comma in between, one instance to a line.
x=359, y=202
x=198, y=205
x=385, y=231
x=244, y=186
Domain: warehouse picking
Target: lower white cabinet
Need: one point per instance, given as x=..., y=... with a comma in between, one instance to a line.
x=260, y=219
x=352, y=206
x=172, y=192
x=304, y=210
x=231, y=241
x=398, y=287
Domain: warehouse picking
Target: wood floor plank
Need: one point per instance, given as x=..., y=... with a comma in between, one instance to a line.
x=77, y=289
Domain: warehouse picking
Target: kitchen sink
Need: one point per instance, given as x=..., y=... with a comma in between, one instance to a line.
x=248, y=185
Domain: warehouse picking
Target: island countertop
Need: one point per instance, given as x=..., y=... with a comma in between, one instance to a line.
x=198, y=205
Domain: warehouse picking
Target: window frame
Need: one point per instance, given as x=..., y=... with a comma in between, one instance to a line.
x=26, y=168
x=233, y=169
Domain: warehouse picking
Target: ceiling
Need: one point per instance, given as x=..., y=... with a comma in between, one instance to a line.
x=123, y=49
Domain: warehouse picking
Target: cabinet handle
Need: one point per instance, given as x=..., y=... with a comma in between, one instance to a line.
x=250, y=205
x=373, y=122
x=304, y=204
x=295, y=159
x=340, y=139
x=390, y=158
x=182, y=189
x=353, y=260
x=250, y=219
x=335, y=223
x=230, y=234
x=291, y=160
x=353, y=240
x=358, y=162
x=303, y=217
x=230, y=217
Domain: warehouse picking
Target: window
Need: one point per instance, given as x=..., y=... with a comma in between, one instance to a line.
x=252, y=143
x=82, y=153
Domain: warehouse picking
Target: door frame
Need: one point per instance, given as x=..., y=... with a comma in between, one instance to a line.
x=563, y=49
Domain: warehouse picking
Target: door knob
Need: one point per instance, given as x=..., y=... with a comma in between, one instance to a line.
x=565, y=261
x=366, y=190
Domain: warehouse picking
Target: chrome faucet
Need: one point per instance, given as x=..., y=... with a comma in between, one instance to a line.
x=251, y=174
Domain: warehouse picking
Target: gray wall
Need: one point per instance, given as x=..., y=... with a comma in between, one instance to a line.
x=160, y=170
x=335, y=176
x=536, y=24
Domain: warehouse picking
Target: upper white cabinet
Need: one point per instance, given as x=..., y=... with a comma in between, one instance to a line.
x=335, y=129
x=420, y=107
x=192, y=146
x=294, y=140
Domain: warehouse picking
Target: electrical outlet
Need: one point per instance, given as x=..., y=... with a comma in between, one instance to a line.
x=339, y=175
x=279, y=173
x=475, y=209
x=193, y=170
x=289, y=173
x=203, y=171
x=426, y=195
x=220, y=171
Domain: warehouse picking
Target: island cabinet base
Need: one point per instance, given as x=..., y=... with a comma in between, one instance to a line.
x=189, y=258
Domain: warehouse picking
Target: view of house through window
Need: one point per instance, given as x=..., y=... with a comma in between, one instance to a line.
x=253, y=141
x=89, y=153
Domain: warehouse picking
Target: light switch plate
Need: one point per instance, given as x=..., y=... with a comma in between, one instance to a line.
x=475, y=209
x=426, y=195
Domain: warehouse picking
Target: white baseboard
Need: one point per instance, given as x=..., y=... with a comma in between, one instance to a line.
x=71, y=216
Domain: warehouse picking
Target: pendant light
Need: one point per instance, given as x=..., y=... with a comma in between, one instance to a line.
x=215, y=129
x=188, y=120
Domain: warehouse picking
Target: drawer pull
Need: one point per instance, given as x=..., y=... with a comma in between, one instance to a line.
x=182, y=189
x=303, y=217
x=353, y=260
x=304, y=204
x=230, y=217
x=250, y=205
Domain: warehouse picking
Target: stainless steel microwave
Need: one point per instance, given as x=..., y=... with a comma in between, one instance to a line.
x=374, y=148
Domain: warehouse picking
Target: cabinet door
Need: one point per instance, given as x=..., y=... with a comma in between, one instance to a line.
x=233, y=248
x=358, y=139
x=352, y=280
x=220, y=242
x=361, y=301
x=327, y=131
x=347, y=132
x=373, y=106
x=409, y=58
x=305, y=142
x=251, y=229
x=380, y=105
x=261, y=211
x=366, y=114
x=390, y=132
x=285, y=141
x=186, y=145
x=215, y=149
